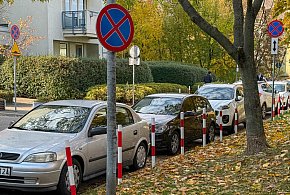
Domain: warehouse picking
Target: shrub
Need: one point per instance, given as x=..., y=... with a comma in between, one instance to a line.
x=124, y=93
x=173, y=72
x=64, y=78
x=7, y=95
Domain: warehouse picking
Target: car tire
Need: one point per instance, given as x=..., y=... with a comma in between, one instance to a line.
x=210, y=134
x=264, y=111
x=174, y=143
x=63, y=186
x=140, y=157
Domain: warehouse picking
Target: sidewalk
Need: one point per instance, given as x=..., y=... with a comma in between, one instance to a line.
x=22, y=107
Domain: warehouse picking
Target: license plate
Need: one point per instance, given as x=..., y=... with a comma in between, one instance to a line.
x=5, y=171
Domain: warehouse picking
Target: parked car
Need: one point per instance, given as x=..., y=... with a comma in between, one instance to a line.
x=283, y=89
x=166, y=109
x=32, y=152
x=265, y=93
x=225, y=97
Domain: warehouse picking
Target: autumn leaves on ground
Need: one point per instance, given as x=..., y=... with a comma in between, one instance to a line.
x=219, y=168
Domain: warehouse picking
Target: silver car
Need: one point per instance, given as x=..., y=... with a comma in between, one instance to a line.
x=32, y=151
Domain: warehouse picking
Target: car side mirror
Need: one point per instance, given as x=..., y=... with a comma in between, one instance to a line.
x=97, y=131
x=239, y=98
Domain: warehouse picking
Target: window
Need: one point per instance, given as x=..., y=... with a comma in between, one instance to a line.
x=63, y=49
x=100, y=119
x=79, y=51
x=200, y=104
x=239, y=92
x=188, y=105
x=123, y=117
x=74, y=5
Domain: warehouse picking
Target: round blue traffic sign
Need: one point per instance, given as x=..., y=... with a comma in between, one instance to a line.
x=115, y=28
x=275, y=28
x=15, y=32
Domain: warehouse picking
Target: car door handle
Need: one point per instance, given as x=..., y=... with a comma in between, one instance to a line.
x=135, y=132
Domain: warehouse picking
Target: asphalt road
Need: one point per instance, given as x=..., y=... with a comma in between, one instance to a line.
x=6, y=120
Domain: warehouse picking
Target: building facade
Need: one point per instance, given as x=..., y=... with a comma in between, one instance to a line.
x=67, y=27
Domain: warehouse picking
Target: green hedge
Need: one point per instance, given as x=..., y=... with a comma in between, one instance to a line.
x=63, y=78
x=174, y=72
x=124, y=92
x=7, y=95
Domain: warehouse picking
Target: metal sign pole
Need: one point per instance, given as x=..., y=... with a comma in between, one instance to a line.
x=14, y=62
x=111, y=122
x=133, y=99
x=273, y=92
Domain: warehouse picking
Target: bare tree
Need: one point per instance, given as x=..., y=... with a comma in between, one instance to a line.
x=242, y=51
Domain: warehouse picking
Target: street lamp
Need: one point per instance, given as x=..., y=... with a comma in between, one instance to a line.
x=134, y=60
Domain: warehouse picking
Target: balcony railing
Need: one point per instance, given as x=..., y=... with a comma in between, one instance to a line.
x=79, y=22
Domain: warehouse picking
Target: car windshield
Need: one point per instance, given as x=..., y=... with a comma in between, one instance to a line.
x=53, y=118
x=217, y=93
x=279, y=87
x=159, y=105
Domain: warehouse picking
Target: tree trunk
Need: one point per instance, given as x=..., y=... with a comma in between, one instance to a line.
x=256, y=140
x=242, y=51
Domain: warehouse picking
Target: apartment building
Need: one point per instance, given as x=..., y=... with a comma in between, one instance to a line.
x=67, y=27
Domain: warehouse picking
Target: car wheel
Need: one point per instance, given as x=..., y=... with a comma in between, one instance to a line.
x=63, y=186
x=264, y=111
x=174, y=146
x=140, y=157
x=210, y=134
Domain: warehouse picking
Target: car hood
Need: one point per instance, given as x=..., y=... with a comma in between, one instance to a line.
x=21, y=141
x=159, y=119
x=216, y=104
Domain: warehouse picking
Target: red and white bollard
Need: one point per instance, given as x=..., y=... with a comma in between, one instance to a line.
x=236, y=120
x=221, y=125
x=120, y=165
x=282, y=102
x=153, y=142
x=182, y=133
x=273, y=109
x=69, y=163
x=279, y=104
x=288, y=105
x=203, y=127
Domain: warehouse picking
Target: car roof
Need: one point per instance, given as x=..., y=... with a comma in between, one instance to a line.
x=81, y=103
x=221, y=85
x=173, y=95
x=277, y=82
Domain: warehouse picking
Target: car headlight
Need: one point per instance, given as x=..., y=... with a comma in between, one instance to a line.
x=161, y=128
x=41, y=157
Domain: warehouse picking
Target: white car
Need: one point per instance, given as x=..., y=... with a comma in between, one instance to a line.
x=225, y=97
x=282, y=88
x=32, y=152
x=265, y=94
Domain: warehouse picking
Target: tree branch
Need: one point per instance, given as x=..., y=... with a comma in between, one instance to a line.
x=209, y=29
x=238, y=23
x=256, y=6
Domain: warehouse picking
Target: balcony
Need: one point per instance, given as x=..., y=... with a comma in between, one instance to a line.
x=79, y=23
